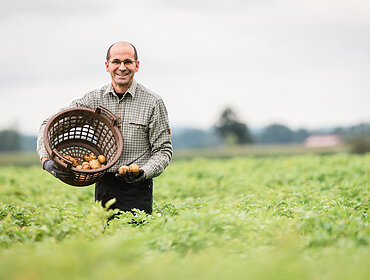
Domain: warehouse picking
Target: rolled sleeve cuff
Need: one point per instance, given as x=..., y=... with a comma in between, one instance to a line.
x=150, y=171
x=42, y=152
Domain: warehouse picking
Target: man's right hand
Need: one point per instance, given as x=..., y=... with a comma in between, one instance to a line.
x=56, y=170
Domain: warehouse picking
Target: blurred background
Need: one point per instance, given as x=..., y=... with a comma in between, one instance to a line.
x=237, y=76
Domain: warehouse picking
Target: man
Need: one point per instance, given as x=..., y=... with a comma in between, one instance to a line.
x=145, y=127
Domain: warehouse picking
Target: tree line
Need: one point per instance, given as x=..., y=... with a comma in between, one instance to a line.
x=12, y=140
x=230, y=130
x=233, y=131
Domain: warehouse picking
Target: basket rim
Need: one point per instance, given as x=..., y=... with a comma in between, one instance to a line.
x=112, y=123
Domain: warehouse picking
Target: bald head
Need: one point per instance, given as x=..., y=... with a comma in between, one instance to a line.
x=122, y=44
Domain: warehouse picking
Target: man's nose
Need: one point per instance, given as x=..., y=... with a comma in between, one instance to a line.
x=122, y=66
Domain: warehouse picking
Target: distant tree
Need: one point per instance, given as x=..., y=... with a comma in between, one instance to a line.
x=28, y=142
x=231, y=129
x=357, y=137
x=276, y=133
x=348, y=133
x=359, y=143
x=195, y=138
x=10, y=140
x=300, y=135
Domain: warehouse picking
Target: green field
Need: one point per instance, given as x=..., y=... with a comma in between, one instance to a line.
x=281, y=217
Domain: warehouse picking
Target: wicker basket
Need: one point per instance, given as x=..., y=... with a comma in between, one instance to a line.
x=80, y=131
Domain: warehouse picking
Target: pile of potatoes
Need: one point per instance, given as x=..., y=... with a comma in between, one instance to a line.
x=90, y=161
x=133, y=168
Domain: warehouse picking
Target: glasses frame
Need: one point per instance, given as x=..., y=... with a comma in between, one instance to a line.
x=125, y=62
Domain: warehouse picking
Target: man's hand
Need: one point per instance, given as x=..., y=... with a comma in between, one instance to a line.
x=55, y=170
x=128, y=177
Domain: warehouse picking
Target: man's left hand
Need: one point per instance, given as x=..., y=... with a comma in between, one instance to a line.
x=130, y=178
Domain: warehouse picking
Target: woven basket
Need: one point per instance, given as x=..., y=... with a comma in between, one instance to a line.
x=80, y=131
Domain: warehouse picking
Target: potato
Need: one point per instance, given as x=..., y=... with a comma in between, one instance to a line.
x=123, y=169
x=89, y=157
x=102, y=159
x=91, y=162
x=75, y=162
x=79, y=166
x=68, y=157
x=134, y=169
x=94, y=164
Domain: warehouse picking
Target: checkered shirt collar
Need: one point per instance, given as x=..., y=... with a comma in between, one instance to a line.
x=131, y=90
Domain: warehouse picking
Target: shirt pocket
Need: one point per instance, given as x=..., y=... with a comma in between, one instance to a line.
x=136, y=132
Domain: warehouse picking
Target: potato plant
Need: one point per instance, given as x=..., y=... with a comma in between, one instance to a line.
x=284, y=217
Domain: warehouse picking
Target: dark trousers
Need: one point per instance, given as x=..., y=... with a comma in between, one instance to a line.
x=128, y=196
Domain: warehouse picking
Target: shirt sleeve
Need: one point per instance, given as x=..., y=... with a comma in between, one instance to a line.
x=40, y=149
x=85, y=101
x=160, y=141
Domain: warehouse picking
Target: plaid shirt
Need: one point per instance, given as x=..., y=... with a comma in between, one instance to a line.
x=144, y=125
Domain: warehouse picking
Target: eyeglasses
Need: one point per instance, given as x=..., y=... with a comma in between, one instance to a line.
x=117, y=62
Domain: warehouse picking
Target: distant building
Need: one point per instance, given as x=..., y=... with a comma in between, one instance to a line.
x=322, y=141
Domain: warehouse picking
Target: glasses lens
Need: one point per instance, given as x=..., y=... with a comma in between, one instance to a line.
x=128, y=62
x=116, y=62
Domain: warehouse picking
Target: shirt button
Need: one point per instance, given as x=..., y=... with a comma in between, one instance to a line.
x=119, y=116
x=120, y=107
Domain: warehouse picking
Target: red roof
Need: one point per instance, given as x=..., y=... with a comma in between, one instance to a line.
x=321, y=141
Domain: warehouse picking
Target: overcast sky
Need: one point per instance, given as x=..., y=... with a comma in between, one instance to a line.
x=299, y=63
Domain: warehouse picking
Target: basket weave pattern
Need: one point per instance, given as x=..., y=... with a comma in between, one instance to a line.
x=80, y=131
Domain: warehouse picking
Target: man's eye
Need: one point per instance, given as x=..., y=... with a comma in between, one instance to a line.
x=128, y=61
x=116, y=61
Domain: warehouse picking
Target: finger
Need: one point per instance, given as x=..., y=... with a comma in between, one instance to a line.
x=120, y=176
x=133, y=176
x=130, y=176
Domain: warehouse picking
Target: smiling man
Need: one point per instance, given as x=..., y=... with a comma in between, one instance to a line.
x=122, y=64
x=143, y=120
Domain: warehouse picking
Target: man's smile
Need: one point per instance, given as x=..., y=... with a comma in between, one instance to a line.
x=122, y=75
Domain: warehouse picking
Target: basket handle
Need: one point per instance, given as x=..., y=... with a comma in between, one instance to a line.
x=109, y=113
x=58, y=157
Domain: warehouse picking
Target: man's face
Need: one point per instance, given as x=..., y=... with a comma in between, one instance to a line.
x=122, y=73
